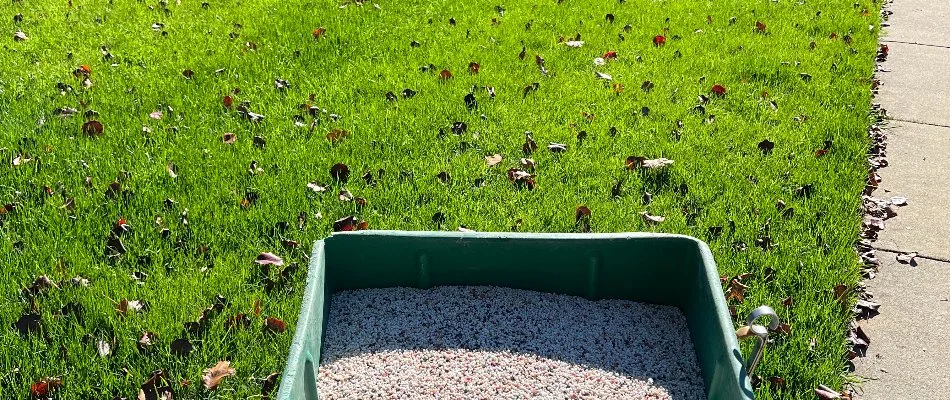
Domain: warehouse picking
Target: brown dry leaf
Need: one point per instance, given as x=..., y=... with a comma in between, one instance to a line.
x=269, y=259
x=445, y=75
x=229, y=138
x=257, y=306
x=212, y=376
x=28, y=323
x=825, y=393
x=527, y=164
x=340, y=172
x=275, y=325
x=766, y=146
x=907, y=258
x=269, y=384
x=582, y=218
x=336, y=135
x=345, y=195
x=736, y=290
x=493, y=160
x=156, y=387
x=181, y=347
x=651, y=219
x=318, y=32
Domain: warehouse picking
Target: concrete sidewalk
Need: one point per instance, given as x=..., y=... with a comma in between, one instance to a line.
x=909, y=355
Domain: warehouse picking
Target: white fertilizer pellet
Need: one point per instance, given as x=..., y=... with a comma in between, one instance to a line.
x=462, y=342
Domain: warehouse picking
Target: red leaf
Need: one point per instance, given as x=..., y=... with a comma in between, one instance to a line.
x=318, y=32
x=228, y=101
x=445, y=74
x=659, y=40
x=610, y=55
x=345, y=224
x=92, y=128
x=759, y=26
x=719, y=90
x=275, y=324
x=473, y=67
x=45, y=387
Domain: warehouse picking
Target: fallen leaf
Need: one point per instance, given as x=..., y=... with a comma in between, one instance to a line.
x=825, y=393
x=340, y=172
x=557, y=147
x=146, y=341
x=899, y=201
x=521, y=178
x=27, y=323
x=269, y=259
x=188, y=73
x=582, y=218
x=759, y=26
x=228, y=101
x=212, y=376
x=610, y=55
x=647, y=86
x=274, y=325
x=318, y=32
x=444, y=177
x=766, y=146
x=269, y=384
x=736, y=289
x=20, y=36
x=172, y=170
x=493, y=160
x=316, y=187
x=44, y=388
x=473, y=67
x=527, y=164
x=718, y=90
x=651, y=219
x=601, y=75
x=181, y=347
x=336, y=135
x=345, y=195
x=129, y=307
x=445, y=75
x=866, y=308
x=229, y=138
x=599, y=61
x=574, y=43
x=907, y=258
x=103, y=348
x=659, y=40
x=92, y=128
x=156, y=114
x=156, y=387
x=345, y=224
x=41, y=284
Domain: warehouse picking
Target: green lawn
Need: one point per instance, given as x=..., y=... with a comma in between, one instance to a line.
x=800, y=79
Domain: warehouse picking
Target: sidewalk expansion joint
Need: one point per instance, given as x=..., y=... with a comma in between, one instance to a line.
x=919, y=255
x=916, y=43
x=918, y=122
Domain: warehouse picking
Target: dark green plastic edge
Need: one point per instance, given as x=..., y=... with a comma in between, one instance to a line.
x=655, y=268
